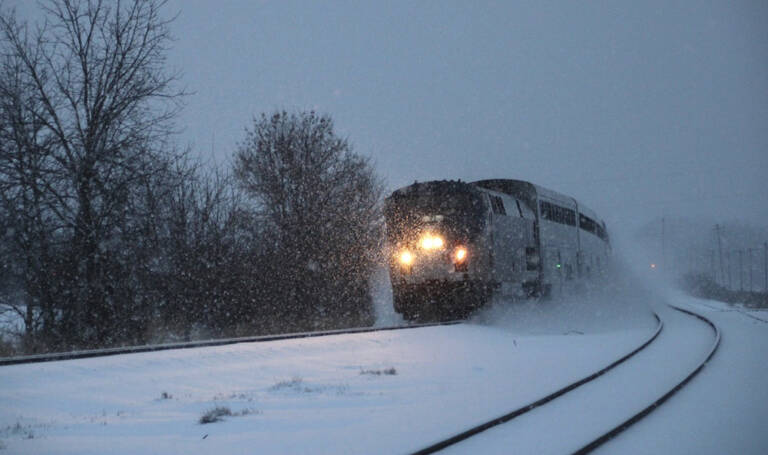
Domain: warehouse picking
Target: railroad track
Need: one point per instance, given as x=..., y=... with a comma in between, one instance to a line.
x=647, y=410
x=205, y=343
x=540, y=402
x=609, y=434
x=448, y=441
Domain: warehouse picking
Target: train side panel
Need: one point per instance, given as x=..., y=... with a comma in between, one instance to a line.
x=512, y=234
x=559, y=242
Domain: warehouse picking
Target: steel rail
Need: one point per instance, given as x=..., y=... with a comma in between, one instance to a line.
x=522, y=410
x=204, y=343
x=635, y=418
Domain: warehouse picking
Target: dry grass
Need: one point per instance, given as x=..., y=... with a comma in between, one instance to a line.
x=387, y=372
x=215, y=415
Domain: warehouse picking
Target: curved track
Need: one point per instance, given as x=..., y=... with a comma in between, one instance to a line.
x=614, y=431
x=635, y=418
x=540, y=402
x=200, y=344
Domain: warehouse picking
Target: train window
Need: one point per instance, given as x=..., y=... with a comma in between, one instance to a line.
x=569, y=217
x=588, y=224
x=546, y=210
x=498, y=205
x=601, y=232
x=531, y=259
x=557, y=214
x=458, y=211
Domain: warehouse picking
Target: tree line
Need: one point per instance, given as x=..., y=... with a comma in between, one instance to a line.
x=110, y=234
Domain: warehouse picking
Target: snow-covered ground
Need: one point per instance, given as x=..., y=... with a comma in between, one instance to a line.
x=725, y=408
x=395, y=392
x=579, y=417
x=330, y=395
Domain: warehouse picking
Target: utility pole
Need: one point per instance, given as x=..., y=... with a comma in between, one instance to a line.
x=691, y=262
x=749, y=252
x=712, y=265
x=730, y=282
x=765, y=266
x=741, y=270
x=720, y=251
x=663, y=248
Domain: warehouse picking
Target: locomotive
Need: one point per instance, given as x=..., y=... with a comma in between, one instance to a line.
x=453, y=245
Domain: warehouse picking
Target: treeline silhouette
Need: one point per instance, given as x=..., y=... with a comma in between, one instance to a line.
x=110, y=235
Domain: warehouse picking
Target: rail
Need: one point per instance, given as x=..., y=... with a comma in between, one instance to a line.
x=637, y=417
x=34, y=358
x=540, y=402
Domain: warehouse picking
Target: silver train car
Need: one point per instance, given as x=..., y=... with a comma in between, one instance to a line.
x=454, y=244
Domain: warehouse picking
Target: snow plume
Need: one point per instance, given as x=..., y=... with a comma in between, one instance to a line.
x=381, y=291
x=617, y=301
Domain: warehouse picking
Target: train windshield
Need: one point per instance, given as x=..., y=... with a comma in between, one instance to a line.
x=461, y=213
x=458, y=204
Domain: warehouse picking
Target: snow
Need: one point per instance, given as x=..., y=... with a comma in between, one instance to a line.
x=595, y=408
x=11, y=320
x=308, y=395
x=337, y=394
x=725, y=408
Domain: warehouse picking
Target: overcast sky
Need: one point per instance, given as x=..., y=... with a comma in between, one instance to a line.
x=638, y=109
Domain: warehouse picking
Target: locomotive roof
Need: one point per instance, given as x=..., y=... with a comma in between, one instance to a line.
x=520, y=189
x=525, y=191
x=434, y=187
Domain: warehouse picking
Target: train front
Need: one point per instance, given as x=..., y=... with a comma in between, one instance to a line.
x=439, y=261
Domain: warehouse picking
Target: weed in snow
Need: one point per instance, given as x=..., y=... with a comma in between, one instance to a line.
x=295, y=384
x=387, y=371
x=233, y=396
x=25, y=431
x=215, y=414
x=218, y=413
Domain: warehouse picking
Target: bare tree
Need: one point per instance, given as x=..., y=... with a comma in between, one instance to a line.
x=29, y=191
x=318, y=201
x=207, y=258
x=87, y=108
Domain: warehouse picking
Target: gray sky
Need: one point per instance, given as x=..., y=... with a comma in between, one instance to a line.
x=638, y=109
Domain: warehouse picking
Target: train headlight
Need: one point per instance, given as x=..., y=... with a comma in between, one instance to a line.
x=405, y=258
x=431, y=242
x=460, y=255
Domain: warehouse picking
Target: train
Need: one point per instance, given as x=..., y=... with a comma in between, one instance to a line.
x=453, y=245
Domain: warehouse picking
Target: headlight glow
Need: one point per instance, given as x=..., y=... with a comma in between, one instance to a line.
x=431, y=242
x=460, y=254
x=405, y=258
